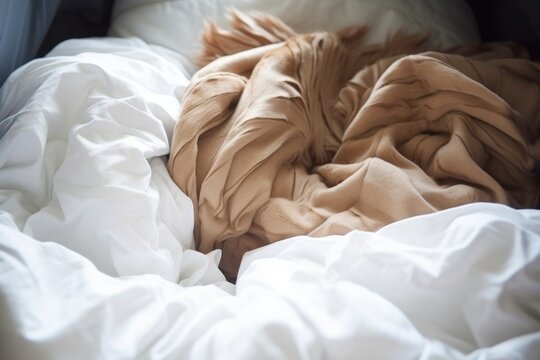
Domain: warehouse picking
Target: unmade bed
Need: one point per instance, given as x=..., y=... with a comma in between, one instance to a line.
x=161, y=197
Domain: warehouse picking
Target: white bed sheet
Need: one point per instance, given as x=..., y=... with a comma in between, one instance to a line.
x=82, y=165
x=459, y=284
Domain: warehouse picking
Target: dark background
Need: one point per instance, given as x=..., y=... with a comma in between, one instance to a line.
x=498, y=20
x=77, y=19
x=505, y=20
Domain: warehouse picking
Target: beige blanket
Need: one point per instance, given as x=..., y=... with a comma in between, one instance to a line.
x=320, y=134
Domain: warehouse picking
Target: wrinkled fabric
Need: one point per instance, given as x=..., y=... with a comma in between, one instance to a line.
x=286, y=134
x=458, y=284
x=83, y=163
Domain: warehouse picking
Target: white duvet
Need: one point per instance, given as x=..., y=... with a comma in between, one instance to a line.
x=465, y=286
x=82, y=165
x=97, y=259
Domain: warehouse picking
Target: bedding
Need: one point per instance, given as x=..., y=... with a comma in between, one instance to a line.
x=457, y=284
x=97, y=253
x=178, y=24
x=83, y=161
x=287, y=134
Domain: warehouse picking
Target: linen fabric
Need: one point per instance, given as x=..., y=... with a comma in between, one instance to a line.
x=320, y=134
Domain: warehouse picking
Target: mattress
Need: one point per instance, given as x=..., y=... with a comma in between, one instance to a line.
x=97, y=253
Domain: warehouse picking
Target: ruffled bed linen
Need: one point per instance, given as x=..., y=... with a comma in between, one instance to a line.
x=97, y=259
x=320, y=134
x=459, y=284
x=82, y=162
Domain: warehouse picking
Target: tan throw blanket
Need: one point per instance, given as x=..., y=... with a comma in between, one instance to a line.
x=320, y=134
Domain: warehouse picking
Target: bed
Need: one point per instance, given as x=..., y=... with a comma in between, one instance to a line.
x=98, y=244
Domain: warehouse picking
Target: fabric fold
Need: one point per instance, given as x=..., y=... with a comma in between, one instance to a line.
x=323, y=134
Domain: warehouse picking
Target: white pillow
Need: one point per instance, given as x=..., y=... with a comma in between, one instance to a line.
x=177, y=24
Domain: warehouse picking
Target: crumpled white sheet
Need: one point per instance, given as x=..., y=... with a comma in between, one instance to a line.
x=82, y=163
x=459, y=284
